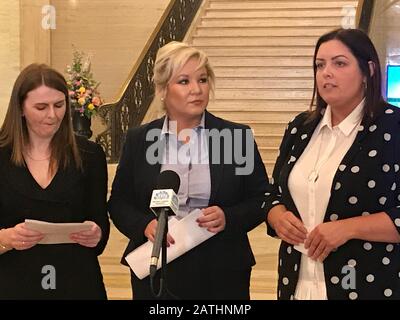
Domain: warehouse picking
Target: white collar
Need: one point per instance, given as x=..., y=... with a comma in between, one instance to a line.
x=348, y=124
x=170, y=126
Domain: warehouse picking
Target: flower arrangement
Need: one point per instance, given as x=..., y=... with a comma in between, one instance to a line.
x=82, y=87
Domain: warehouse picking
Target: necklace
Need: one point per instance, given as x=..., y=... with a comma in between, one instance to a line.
x=314, y=174
x=319, y=163
x=30, y=157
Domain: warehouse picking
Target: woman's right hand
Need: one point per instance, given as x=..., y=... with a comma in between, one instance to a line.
x=150, y=232
x=288, y=227
x=20, y=238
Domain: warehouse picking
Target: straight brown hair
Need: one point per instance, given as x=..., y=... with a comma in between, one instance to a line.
x=14, y=133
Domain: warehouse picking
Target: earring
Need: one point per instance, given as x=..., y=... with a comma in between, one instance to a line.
x=162, y=99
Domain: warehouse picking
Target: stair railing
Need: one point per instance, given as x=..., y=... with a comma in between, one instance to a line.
x=364, y=14
x=138, y=91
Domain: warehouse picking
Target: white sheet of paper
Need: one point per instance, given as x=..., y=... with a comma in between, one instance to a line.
x=57, y=232
x=301, y=248
x=187, y=235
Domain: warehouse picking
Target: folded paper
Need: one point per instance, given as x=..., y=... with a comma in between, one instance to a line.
x=187, y=235
x=57, y=232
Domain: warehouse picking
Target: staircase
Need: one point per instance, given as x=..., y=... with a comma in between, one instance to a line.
x=262, y=55
x=261, y=51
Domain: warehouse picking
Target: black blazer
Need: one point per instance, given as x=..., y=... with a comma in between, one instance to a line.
x=376, y=152
x=240, y=197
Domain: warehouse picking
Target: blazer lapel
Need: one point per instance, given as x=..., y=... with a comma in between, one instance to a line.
x=302, y=135
x=355, y=148
x=152, y=171
x=216, y=169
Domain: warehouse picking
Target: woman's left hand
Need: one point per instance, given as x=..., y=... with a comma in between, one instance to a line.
x=213, y=219
x=89, y=238
x=326, y=237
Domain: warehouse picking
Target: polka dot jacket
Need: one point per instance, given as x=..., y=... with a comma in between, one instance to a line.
x=367, y=181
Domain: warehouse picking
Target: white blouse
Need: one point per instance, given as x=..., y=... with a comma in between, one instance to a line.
x=310, y=182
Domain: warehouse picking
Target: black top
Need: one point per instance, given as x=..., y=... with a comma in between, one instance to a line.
x=366, y=182
x=72, y=196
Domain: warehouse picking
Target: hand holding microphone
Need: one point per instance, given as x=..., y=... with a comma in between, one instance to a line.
x=150, y=233
x=164, y=202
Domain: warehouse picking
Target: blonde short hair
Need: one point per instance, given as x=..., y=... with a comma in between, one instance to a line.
x=170, y=60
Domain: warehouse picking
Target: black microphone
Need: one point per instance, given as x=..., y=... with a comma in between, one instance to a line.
x=164, y=202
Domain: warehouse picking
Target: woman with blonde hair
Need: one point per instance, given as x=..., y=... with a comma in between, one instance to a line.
x=228, y=191
x=48, y=174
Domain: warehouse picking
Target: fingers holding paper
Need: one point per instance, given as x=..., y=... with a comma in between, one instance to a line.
x=325, y=238
x=150, y=232
x=89, y=238
x=213, y=219
x=21, y=238
x=288, y=227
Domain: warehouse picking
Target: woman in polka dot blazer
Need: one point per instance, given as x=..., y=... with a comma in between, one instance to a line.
x=337, y=184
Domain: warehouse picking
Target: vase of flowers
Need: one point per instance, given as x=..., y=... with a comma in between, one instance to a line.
x=85, y=99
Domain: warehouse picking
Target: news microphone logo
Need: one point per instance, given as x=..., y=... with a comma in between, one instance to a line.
x=165, y=198
x=161, y=195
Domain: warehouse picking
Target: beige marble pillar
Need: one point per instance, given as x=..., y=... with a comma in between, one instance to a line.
x=37, y=19
x=9, y=51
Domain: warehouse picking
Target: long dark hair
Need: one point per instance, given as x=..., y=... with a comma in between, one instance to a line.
x=364, y=51
x=14, y=132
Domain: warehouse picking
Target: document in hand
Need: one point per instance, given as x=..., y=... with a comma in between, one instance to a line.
x=187, y=235
x=57, y=232
x=300, y=248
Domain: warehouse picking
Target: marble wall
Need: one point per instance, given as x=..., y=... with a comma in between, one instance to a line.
x=9, y=51
x=384, y=32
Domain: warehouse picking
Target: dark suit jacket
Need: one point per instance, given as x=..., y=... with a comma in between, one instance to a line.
x=376, y=151
x=240, y=197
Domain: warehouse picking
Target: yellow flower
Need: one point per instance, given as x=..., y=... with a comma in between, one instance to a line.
x=82, y=90
x=91, y=106
x=81, y=101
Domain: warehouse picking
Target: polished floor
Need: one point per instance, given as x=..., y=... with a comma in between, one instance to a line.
x=264, y=275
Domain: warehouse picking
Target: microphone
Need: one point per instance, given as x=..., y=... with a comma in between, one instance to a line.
x=164, y=202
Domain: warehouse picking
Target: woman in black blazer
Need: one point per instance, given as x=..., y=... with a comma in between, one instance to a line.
x=337, y=186
x=231, y=200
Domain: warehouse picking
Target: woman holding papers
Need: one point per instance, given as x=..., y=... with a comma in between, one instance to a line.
x=49, y=175
x=337, y=178
x=221, y=173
